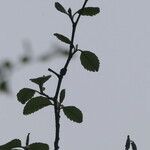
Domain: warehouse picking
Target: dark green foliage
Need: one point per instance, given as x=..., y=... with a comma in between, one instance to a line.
x=73, y=113
x=89, y=11
x=25, y=94
x=60, y=8
x=38, y=146
x=89, y=61
x=62, y=95
x=12, y=144
x=41, y=80
x=36, y=104
x=62, y=38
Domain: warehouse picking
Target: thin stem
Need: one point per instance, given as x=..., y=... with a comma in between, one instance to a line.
x=63, y=72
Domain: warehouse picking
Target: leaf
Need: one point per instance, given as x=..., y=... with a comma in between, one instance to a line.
x=89, y=61
x=7, y=65
x=62, y=38
x=4, y=86
x=73, y=113
x=38, y=146
x=127, y=145
x=40, y=80
x=134, y=147
x=25, y=94
x=60, y=8
x=12, y=144
x=89, y=11
x=62, y=95
x=28, y=139
x=36, y=104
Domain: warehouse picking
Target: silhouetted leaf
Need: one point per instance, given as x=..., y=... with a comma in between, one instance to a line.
x=127, y=146
x=62, y=38
x=12, y=144
x=89, y=11
x=89, y=61
x=28, y=139
x=62, y=95
x=36, y=104
x=25, y=94
x=133, y=145
x=38, y=146
x=60, y=8
x=40, y=80
x=73, y=113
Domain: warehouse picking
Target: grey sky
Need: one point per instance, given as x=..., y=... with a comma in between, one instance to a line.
x=115, y=101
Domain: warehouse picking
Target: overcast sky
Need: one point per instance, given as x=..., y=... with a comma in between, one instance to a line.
x=115, y=101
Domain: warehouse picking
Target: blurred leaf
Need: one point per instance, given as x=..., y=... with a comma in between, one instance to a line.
x=62, y=95
x=73, y=113
x=38, y=146
x=12, y=144
x=36, y=104
x=40, y=80
x=89, y=11
x=25, y=94
x=62, y=38
x=89, y=61
x=4, y=86
x=60, y=8
x=7, y=64
x=25, y=59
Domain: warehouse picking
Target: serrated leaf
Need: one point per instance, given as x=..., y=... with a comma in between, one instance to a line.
x=89, y=11
x=12, y=144
x=36, y=104
x=62, y=38
x=73, y=113
x=62, y=95
x=40, y=80
x=60, y=8
x=89, y=61
x=38, y=146
x=25, y=94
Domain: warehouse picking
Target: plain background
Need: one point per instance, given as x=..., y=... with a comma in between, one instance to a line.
x=115, y=101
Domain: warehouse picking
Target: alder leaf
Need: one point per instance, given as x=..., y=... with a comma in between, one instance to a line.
x=62, y=95
x=89, y=61
x=62, y=38
x=38, y=146
x=36, y=104
x=25, y=94
x=60, y=8
x=73, y=113
x=40, y=80
x=12, y=144
x=89, y=11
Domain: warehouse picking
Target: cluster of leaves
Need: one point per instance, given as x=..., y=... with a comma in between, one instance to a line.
x=33, y=104
x=28, y=97
x=129, y=143
x=16, y=144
